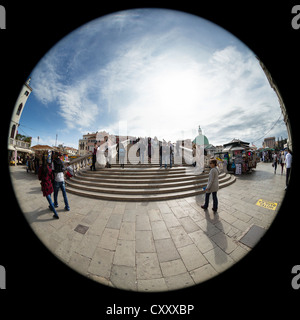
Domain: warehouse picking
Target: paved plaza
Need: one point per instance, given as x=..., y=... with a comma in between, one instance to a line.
x=152, y=246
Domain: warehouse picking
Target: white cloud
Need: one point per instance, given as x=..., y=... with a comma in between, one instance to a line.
x=161, y=83
x=45, y=80
x=74, y=105
x=175, y=92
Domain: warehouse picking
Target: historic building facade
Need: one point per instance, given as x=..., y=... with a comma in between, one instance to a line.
x=14, y=145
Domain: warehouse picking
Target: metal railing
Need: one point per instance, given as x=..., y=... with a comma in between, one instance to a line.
x=85, y=161
x=19, y=143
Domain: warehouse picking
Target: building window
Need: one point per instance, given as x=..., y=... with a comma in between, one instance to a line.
x=26, y=93
x=19, y=109
x=13, y=130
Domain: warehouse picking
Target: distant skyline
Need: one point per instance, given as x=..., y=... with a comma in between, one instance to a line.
x=151, y=72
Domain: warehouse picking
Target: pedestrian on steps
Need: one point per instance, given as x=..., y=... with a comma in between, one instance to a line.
x=93, y=166
x=165, y=154
x=142, y=148
x=122, y=152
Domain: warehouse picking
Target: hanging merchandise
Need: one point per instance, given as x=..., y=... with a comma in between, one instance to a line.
x=245, y=167
x=238, y=157
x=238, y=168
x=49, y=156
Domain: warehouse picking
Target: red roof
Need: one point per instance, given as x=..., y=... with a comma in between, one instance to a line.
x=42, y=147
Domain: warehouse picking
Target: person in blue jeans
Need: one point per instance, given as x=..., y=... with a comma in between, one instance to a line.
x=212, y=186
x=45, y=175
x=59, y=181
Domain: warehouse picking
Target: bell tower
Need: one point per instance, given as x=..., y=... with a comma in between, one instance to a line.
x=18, y=109
x=2, y=18
x=16, y=115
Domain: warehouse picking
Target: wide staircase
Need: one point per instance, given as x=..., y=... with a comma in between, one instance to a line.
x=142, y=182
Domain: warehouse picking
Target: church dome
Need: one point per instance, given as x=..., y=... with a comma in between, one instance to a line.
x=201, y=139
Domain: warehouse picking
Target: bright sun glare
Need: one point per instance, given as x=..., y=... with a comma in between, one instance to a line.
x=177, y=90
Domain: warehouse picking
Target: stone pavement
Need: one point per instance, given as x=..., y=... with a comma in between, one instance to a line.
x=151, y=246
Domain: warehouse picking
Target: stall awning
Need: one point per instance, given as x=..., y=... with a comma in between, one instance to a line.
x=237, y=149
x=231, y=148
x=24, y=150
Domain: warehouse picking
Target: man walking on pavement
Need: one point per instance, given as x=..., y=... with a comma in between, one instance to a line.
x=288, y=164
x=59, y=181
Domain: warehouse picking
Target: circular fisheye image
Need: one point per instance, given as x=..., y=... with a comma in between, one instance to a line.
x=150, y=150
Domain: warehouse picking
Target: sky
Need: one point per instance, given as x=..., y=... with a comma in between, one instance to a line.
x=151, y=72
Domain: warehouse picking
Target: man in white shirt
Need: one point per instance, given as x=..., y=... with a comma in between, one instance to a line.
x=288, y=164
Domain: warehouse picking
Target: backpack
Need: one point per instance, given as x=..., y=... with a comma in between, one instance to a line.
x=58, y=166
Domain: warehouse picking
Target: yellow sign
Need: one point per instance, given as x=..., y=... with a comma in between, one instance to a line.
x=266, y=204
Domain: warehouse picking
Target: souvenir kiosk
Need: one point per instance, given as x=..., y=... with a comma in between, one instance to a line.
x=239, y=156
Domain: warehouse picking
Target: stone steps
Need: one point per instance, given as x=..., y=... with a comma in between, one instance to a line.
x=129, y=184
x=138, y=174
x=142, y=189
x=141, y=184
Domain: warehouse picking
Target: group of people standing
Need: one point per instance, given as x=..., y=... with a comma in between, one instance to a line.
x=278, y=158
x=52, y=180
x=32, y=163
x=166, y=153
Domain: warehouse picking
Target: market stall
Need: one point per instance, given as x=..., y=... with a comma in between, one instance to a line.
x=239, y=156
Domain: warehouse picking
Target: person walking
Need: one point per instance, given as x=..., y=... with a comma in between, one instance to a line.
x=45, y=174
x=27, y=163
x=94, y=157
x=142, y=149
x=165, y=154
x=212, y=186
x=160, y=154
x=122, y=152
x=282, y=161
x=59, y=181
x=150, y=150
x=288, y=165
x=170, y=146
x=275, y=160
